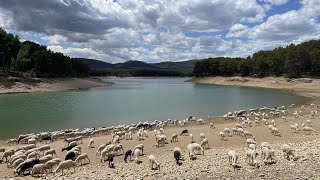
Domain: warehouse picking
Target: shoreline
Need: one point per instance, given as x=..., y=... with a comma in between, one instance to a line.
x=309, y=90
x=13, y=85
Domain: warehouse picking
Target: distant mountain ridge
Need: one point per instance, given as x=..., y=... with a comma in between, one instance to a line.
x=182, y=66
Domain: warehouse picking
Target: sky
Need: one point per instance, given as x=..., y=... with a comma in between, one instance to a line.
x=161, y=30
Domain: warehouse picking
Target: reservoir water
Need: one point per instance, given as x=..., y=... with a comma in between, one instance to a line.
x=129, y=100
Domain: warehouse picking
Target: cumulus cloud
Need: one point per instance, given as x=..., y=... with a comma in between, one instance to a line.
x=159, y=30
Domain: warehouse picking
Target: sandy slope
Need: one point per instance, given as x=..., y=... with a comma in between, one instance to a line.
x=23, y=85
x=213, y=165
x=304, y=89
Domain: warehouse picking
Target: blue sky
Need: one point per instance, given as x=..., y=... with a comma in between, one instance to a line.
x=161, y=30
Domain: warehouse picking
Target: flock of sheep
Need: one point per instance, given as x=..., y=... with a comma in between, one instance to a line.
x=37, y=160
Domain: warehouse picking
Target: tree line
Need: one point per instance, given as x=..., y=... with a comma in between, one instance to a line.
x=137, y=73
x=32, y=59
x=293, y=61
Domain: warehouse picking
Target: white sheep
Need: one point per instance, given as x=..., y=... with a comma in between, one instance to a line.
x=240, y=132
x=38, y=168
x=136, y=153
x=191, y=138
x=233, y=157
x=50, y=164
x=117, y=148
x=294, y=128
x=212, y=125
x=107, y=150
x=17, y=162
x=52, y=152
x=227, y=132
x=266, y=144
x=2, y=150
x=287, y=151
x=139, y=146
x=32, y=141
x=250, y=141
x=268, y=154
x=34, y=155
x=82, y=157
x=153, y=161
x=65, y=165
x=308, y=129
x=44, y=148
x=200, y=121
x=73, y=143
x=174, y=138
x=45, y=159
x=91, y=143
x=12, y=141
x=193, y=147
x=202, y=136
x=234, y=131
x=100, y=149
x=204, y=143
x=247, y=134
x=252, y=146
x=222, y=136
x=251, y=156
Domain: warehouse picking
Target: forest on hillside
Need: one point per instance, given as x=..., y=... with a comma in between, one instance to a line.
x=31, y=59
x=293, y=61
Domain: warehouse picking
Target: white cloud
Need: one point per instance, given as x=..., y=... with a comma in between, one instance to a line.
x=275, y=2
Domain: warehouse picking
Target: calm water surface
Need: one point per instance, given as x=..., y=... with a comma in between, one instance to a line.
x=129, y=100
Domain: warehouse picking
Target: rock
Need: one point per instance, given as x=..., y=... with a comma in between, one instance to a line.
x=261, y=175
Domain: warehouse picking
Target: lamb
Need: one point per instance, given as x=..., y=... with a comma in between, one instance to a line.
x=275, y=131
x=251, y=156
x=174, y=138
x=44, y=148
x=266, y=144
x=233, y=158
x=91, y=143
x=128, y=153
x=52, y=152
x=192, y=148
x=287, y=151
x=65, y=165
x=234, y=131
x=161, y=140
x=38, y=168
x=45, y=159
x=50, y=164
x=240, y=132
x=12, y=142
x=25, y=166
x=110, y=160
x=268, y=154
x=153, y=161
x=204, y=143
x=82, y=157
x=2, y=150
x=222, y=136
x=184, y=132
x=308, y=129
x=177, y=154
x=139, y=146
x=136, y=154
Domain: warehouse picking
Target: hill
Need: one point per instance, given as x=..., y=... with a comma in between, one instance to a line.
x=183, y=66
